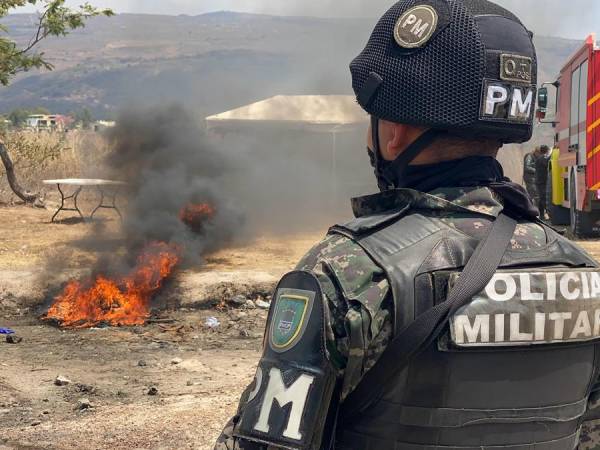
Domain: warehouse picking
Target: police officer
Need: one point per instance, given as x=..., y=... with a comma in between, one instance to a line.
x=445, y=316
x=542, y=163
x=529, y=172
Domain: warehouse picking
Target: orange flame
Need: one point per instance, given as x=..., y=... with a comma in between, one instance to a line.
x=195, y=215
x=116, y=302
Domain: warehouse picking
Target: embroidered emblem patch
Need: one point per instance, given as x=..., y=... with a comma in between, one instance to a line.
x=290, y=318
x=416, y=26
x=516, y=68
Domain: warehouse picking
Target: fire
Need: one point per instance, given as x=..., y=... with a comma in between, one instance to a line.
x=124, y=301
x=196, y=215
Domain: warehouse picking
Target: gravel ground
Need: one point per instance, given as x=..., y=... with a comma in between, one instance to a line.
x=198, y=372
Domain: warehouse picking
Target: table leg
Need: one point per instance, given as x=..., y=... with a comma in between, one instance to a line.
x=62, y=203
x=113, y=203
x=75, y=197
x=64, y=198
x=100, y=203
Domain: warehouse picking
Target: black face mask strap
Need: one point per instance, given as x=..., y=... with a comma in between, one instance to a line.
x=395, y=170
x=390, y=173
x=377, y=160
x=375, y=132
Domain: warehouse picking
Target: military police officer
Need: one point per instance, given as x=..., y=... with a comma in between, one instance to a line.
x=529, y=172
x=542, y=163
x=446, y=315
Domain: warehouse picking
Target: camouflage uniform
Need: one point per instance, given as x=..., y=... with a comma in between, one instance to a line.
x=358, y=294
x=590, y=436
x=590, y=432
x=529, y=175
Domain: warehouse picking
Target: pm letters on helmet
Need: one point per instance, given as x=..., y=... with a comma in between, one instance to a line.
x=416, y=26
x=505, y=102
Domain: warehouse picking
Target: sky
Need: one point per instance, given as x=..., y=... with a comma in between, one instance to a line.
x=567, y=18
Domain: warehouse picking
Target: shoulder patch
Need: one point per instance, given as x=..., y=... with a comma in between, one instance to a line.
x=290, y=318
x=416, y=26
x=295, y=381
x=516, y=68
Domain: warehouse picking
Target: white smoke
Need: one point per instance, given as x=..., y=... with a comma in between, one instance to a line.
x=572, y=19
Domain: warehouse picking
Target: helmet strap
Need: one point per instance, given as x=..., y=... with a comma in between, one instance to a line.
x=377, y=160
x=391, y=174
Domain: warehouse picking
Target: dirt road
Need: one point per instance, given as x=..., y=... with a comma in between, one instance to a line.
x=198, y=374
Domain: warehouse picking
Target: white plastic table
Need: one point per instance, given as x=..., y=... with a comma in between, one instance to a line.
x=102, y=186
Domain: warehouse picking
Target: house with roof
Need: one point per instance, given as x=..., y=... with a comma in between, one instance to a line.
x=312, y=148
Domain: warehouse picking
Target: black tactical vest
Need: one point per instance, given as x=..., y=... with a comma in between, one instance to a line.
x=505, y=397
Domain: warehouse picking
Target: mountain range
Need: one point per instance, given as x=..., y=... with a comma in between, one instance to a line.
x=209, y=63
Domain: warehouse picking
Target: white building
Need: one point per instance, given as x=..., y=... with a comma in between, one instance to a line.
x=46, y=122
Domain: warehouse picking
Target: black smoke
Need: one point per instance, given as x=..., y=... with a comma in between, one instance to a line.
x=168, y=162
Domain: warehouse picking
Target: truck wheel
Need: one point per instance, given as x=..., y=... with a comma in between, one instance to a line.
x=559, y=215
x=583, y=224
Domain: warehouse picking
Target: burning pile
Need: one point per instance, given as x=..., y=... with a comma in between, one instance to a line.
x=125, y=301
x=116, y=302
x=195, y=215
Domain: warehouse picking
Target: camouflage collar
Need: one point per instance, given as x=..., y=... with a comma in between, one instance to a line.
x=474, y=199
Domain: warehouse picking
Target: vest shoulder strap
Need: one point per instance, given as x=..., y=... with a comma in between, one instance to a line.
x=419, y=334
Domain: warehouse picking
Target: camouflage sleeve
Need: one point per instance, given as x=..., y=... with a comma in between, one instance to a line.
x=529, y=164
x=590, y=432
x=227, y=441
x=359, y=306
x=359, y=320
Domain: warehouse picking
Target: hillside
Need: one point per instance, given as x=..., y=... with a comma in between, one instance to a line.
x=209, y=63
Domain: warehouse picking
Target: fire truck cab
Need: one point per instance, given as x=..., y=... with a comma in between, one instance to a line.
x=573, y=192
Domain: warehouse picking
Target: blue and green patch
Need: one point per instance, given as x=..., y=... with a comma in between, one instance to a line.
x=290, y=318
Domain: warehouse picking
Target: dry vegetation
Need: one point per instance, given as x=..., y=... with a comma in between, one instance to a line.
x=43, y=155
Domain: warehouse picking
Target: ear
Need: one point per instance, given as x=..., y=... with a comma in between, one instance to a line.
x=401, y=138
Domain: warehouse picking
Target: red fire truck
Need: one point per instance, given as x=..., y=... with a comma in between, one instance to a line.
x=574, y=181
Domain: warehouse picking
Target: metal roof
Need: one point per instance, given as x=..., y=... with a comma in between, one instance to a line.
x=330, y=110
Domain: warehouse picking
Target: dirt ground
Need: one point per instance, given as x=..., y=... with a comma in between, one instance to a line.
x=198, y=372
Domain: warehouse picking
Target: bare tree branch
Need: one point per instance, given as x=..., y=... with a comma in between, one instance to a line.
x=26, y=196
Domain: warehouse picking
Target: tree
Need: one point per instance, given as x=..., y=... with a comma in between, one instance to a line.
x=54, y=19
x=4, y=124
x=84, y=118
x=39, y=110
x=18, y=117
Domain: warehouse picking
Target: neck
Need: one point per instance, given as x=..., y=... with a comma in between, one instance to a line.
x=472, y=171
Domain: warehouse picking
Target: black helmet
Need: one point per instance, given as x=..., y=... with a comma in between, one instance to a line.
x=464, y=66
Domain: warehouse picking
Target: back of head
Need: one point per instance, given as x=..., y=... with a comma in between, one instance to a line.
x=465, y=66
